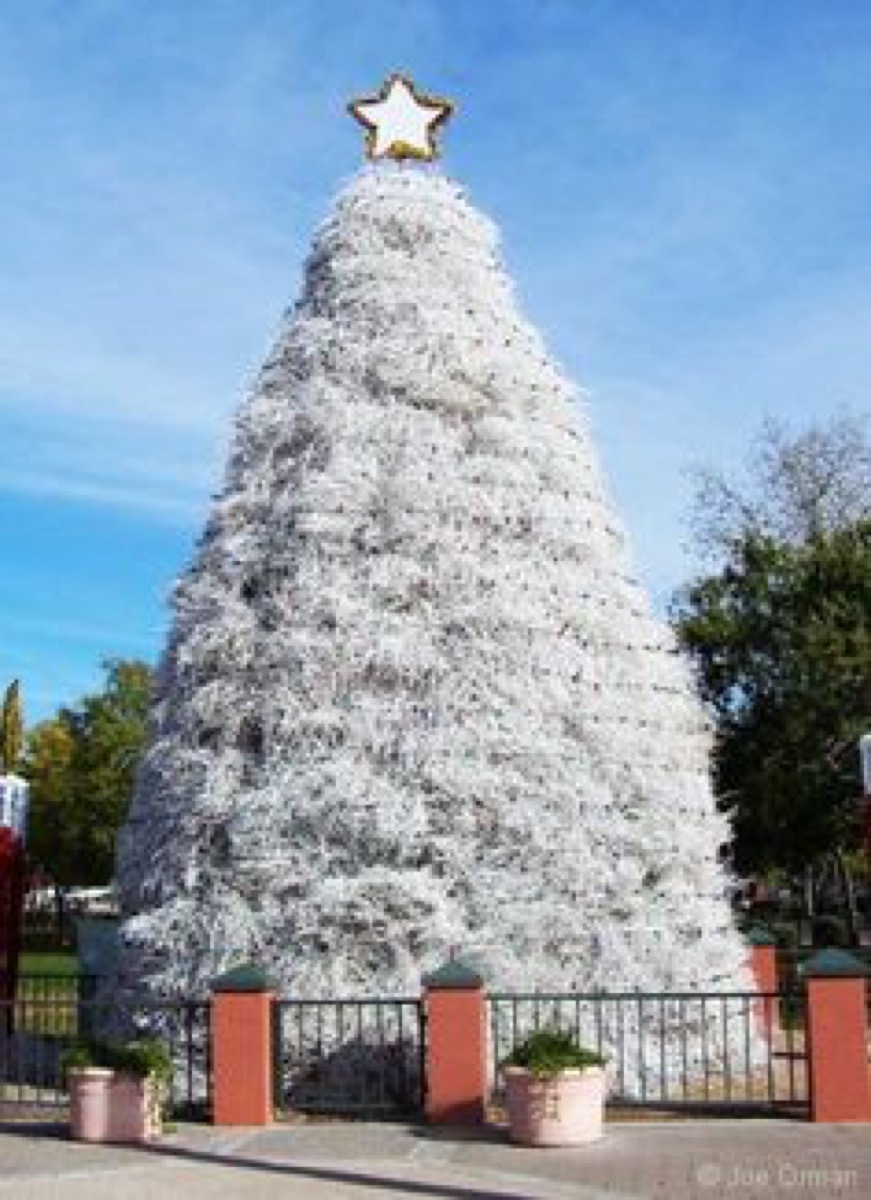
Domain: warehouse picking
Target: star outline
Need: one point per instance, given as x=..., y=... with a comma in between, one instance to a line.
x=400, y=150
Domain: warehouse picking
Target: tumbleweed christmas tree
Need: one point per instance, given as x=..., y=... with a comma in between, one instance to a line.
x=413, y=699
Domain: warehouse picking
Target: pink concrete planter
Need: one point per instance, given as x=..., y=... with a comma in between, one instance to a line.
x=106, y=1106
x=566, y=1109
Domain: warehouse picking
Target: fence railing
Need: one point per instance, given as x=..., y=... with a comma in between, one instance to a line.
x=50, y=1004
x=367, y=1056
x=665, y=1050
x=361, y=1057
x=49, y=917
x=47, y=928
x=50, y=1013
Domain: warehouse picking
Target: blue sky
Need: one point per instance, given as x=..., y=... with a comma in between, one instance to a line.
x=682, y=186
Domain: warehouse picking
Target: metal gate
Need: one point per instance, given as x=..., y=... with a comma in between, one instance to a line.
x=727, y=1051
x=359, y=1057
x=51, y=1013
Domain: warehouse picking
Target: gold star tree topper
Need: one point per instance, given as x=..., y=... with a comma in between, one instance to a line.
x=400, y=121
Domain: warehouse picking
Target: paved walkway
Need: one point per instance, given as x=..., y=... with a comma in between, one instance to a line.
x=701, y=1160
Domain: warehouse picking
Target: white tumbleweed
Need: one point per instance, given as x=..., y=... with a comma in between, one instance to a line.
x=413, y=700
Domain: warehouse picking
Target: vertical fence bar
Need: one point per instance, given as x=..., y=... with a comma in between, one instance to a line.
x=299, y=1058
x=319, y=1035
x=188, y=1029
x=705, y=1058
x=773, y=1090
x=405, y=1090
x=727, y=1058
x=422, y=1038
x=496, y=1035
x=278, y=1055
x=682, y=1027
x=379, y=1018
x=364, y=1090
x=790, y=1050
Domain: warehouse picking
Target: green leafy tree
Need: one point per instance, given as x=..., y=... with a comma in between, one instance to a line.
x=51, y=839
x=81, y=766
x=781, y=637
x=11, y=729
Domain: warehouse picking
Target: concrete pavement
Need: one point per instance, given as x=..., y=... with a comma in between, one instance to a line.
x=675, y=1160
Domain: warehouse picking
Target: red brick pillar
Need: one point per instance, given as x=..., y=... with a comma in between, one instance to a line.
x=242, y=1073
x=840, y=1086
x=763, y=964
x=456, y=1045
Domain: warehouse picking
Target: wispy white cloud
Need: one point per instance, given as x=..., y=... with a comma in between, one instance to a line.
x=800, y=357
x=130, y=464
x=144, y=499
x=683, y=195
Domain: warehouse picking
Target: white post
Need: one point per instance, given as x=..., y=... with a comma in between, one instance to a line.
x=14, y=800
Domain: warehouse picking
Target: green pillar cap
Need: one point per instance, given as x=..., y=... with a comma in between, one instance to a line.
x=833, y=963
x=453, y=976
x=247, y=977
x=760, y=936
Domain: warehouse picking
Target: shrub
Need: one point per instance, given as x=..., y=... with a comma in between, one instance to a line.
x=830, y=931
x=549, y=1051
x=762, y=912
x=76, y=1057
x=145, y=1057
x=785, y=935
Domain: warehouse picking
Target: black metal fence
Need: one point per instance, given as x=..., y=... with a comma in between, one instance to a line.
x=365, y=1057
x=674, y=1050
x=50, y=1004
x=51, y=1013
x=357, y=1057
x=47, y=929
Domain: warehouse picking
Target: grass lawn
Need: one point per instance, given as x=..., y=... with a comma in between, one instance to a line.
x=38, y=963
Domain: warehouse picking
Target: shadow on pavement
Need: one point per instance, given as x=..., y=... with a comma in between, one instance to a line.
x=361, y=1179
x=488, y=1133
x=57, y=1130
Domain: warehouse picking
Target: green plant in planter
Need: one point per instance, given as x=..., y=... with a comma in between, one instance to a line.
x=143, y=1058
x=547, y=1052
x=77, y=1058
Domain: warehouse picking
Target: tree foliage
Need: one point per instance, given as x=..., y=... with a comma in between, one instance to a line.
x=796, y=486
x=781, y=636
x=11, y=729
x=81, y=765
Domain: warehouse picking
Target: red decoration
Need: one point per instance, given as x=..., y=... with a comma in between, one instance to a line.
x=11, y=902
